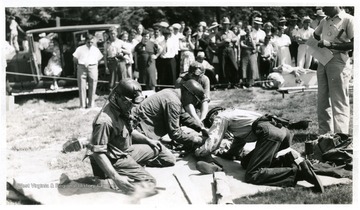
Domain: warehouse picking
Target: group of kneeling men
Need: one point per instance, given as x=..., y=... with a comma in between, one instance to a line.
x=126, y=137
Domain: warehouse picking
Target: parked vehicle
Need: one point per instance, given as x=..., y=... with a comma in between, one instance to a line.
x=25, y=69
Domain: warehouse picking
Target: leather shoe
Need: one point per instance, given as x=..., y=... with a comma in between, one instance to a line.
x=307, y=173
x=207, y=168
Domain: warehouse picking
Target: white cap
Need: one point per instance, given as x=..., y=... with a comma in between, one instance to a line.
x=176, y=26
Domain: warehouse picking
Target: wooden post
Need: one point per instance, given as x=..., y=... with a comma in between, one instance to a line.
x=223, y=193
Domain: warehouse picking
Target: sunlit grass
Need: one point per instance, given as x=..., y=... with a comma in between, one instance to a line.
x=37, y=129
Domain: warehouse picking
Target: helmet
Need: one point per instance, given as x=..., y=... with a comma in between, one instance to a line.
x=196, y=68
x=194, y=88
x=130, y=89
x=209, y=119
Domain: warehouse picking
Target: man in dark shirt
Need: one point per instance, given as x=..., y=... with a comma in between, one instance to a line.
x=114, y=155
x=162, y=113
x=146, y=52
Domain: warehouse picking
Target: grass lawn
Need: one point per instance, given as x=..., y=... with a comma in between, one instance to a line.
x=40, y=125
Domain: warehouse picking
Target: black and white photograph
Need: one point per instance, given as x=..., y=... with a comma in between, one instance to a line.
x=177, y=103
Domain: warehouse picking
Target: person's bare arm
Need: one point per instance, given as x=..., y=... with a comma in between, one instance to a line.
x=123, y=182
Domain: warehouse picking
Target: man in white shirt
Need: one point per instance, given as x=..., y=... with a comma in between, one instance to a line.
x=335, y=32
x=14, y=26
x=166, y=63
x=303, y=34
x=87, y=57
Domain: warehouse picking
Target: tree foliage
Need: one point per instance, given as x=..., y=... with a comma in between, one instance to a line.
x=129, y=17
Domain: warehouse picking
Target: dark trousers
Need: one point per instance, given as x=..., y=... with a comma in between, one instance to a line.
x=132, y=165
x=166, y=68
x=259, y=170
x=117, y=70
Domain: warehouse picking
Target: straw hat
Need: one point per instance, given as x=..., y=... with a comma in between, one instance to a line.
x=258, y=20
x=226, y=20
x=282, y=19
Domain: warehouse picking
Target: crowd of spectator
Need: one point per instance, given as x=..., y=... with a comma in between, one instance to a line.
x=237, y=54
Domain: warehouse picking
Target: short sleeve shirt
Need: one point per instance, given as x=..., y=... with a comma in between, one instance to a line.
x=87, y=56
x=330, y=28
x=110, y=134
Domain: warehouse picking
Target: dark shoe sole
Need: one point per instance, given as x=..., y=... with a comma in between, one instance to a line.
x=317, y=183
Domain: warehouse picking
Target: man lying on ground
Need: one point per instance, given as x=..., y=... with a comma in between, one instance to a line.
x=263, y=164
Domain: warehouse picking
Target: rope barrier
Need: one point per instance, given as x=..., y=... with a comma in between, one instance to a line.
x=51, y=77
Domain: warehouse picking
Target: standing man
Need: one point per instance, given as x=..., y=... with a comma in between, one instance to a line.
x=227, y=58
x=146, y=52
x=14, y=26
x=291, y=31
x=86, y=58
x=114, y=58
x=118, y=152
x=166, y=63
x=304, y=33
x=336, y=32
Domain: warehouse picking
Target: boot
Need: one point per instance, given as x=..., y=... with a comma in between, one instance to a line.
x=307, y=173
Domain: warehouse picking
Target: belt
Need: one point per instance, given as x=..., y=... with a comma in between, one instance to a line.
x=88, y=65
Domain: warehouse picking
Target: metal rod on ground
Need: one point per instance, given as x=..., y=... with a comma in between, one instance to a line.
x=187, y=187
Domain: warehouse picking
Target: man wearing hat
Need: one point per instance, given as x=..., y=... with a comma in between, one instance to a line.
x=201, y=37
x=303, y=34
x=257, y=33
x=177, y=36
x=282, y=22
x=291, y=31
x=145, y=54
x=166, y=63
x=319, y=16
x=226, y=54
x=117, y=150
x=336, y=32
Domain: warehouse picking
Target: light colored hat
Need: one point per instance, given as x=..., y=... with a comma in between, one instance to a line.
x=282, y=19
x=176, y=26
x=226, y=20
x=214, y=25
x=42, y=35
x=258, y=20
x=203, y=23
x=201, y=54
x=269, y=24
x=320, y=13
x=164, y=24
x=306, y=19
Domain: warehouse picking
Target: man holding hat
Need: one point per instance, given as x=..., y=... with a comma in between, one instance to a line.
x=117, y=151
x=303, y=34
